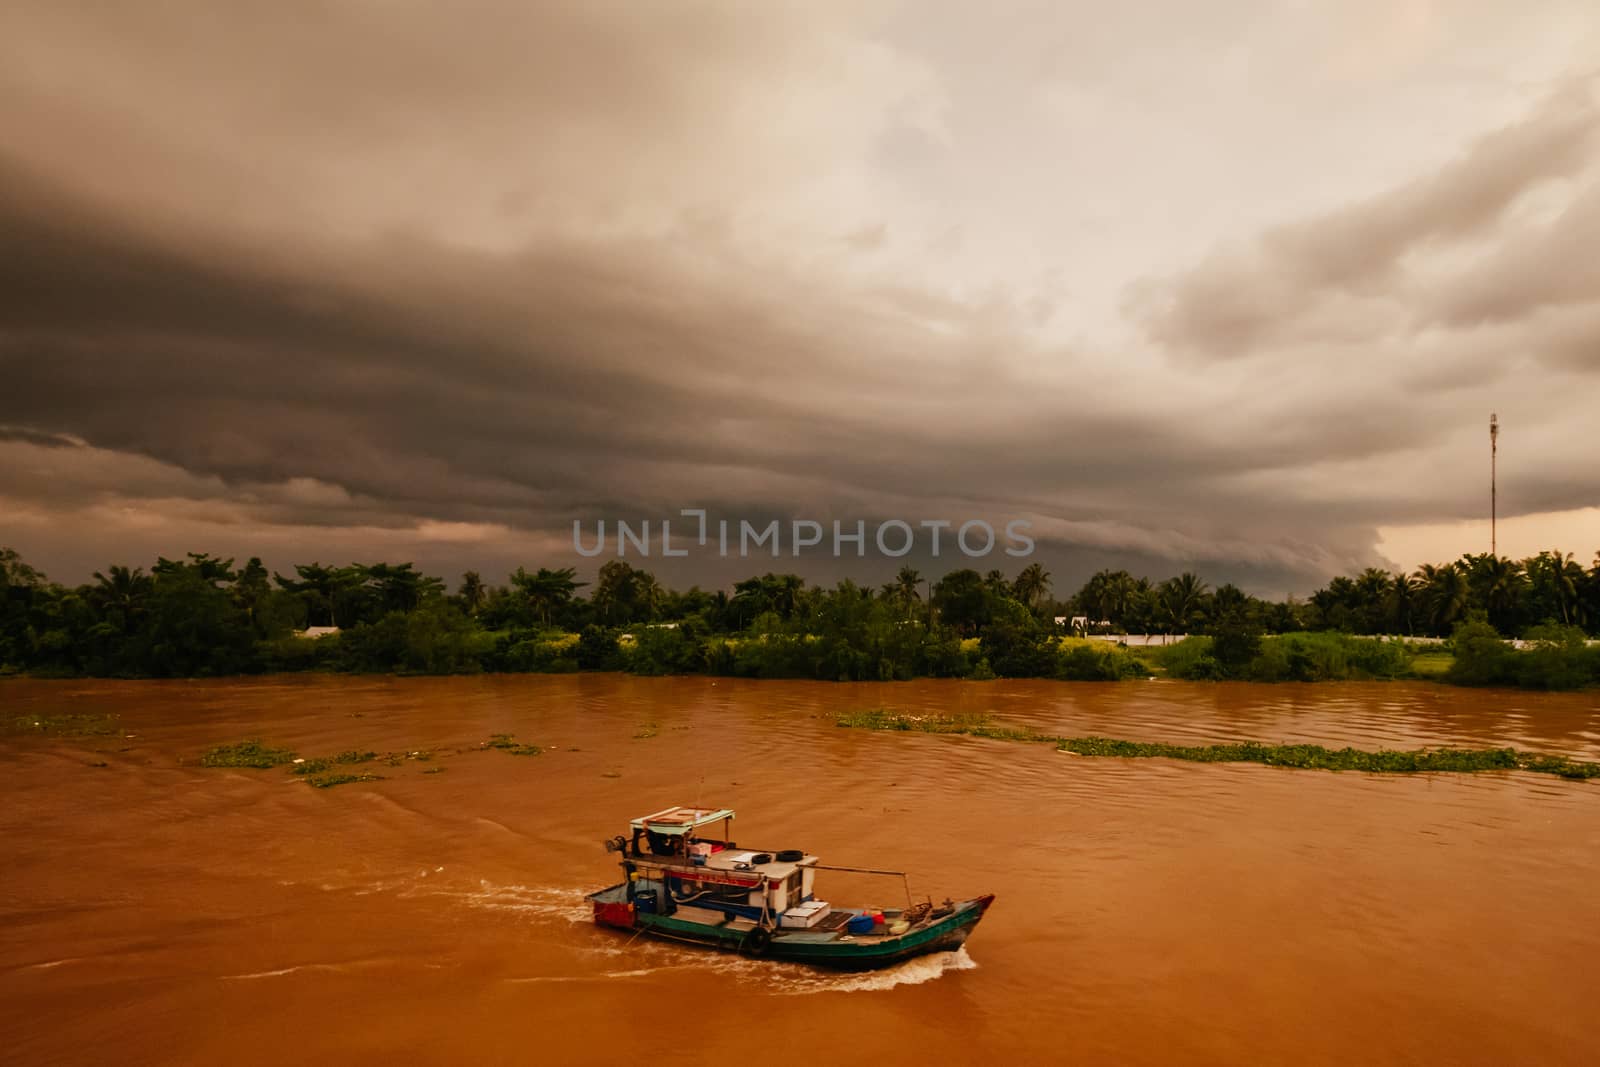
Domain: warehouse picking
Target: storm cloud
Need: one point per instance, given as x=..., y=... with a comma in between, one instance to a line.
x=354, y=280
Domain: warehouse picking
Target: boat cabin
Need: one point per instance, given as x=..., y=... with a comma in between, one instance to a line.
x=671, y=863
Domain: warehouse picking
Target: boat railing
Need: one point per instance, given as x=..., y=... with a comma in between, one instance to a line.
x=905, y=879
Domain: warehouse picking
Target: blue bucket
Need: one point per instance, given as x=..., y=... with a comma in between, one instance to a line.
x=860, y=924
x=645, y=901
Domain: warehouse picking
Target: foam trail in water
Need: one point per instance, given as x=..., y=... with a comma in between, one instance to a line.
x=602, y=977
x=544, y=902
x=911, y=972
x=282, y=971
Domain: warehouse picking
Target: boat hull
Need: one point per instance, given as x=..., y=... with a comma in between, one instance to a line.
x=946, y=934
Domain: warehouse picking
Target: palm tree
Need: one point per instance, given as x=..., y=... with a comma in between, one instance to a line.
x=786, y=593
x=1372, y=597
x=1032, y=585
x=908, y=584
x=1091, y=599
x=324, y=589
x=1498, y=584
x=1557, y=583
x=647, y=593
x=123, y=591
x=1403, y=591
x=1123, y=592
x=751, y=599
x=472, y=592
x=1229, y=602
x=1589, y=600
x=1151, y=607
x=548, y=589
x=1183, y=597
x=1445, y=596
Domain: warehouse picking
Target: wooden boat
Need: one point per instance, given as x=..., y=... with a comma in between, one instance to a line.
x=681, y=886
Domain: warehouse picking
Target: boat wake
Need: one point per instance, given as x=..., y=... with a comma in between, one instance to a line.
x=539, y=902
x=280, y=972
x=783, y=979
x=603, y=976
x=912, y=972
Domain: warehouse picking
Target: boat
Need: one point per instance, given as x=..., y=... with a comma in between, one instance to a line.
x=681, y=885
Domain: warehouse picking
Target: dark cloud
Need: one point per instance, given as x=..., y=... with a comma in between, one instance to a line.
x=1343, y=277
x=442, y=283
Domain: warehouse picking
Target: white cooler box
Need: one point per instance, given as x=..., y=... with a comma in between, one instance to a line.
x=808, y=914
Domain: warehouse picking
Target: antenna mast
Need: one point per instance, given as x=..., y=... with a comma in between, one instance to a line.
x=1494, y=448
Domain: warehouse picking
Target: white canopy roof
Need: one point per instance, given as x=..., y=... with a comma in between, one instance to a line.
x=681, y=820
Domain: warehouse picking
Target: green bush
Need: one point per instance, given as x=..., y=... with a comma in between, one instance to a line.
x=1559, y=658
x=531, y=652
x=1088, y=663
x=664, y=650
x=1190, y=658
x=1482, y=657
x=1234, y=644
x=1019, y=649
x=1323, y=656
x=597, y=650
x=944, y=658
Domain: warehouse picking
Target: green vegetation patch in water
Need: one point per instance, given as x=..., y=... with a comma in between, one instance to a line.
x=969, y=725
x=328, y=781
x=318, y=766
x=509, y=744
x=64, y=725
x=251, y=753
x=1382, y=761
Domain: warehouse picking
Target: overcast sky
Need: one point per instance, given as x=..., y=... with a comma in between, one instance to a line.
x=1229, y=287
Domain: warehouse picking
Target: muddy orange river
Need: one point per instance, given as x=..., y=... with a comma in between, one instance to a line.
x=1149, y=911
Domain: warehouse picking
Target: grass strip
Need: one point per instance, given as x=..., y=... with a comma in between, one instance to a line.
x=1382, y=761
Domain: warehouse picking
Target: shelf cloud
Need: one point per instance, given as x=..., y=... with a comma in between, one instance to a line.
x=400, y=279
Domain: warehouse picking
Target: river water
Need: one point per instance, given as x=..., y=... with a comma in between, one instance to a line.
x=154, y=911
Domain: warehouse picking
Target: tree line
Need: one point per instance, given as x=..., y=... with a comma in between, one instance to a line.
x=202, y=615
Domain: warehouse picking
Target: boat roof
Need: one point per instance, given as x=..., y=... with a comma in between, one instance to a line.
x=681, y=820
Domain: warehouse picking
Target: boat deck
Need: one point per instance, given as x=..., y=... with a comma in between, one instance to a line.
x=729, y=861
x=829, y=928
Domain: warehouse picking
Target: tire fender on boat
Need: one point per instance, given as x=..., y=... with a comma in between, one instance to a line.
x=756, y=941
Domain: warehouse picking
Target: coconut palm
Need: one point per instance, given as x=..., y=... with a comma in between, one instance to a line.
x=1445, y=596
x=1497, y=584
x=1557, y=583
x=1404, y=590
x=472, y=592
x=122, y=591
x=1372, y=599
x=1183, y=598
x=907, y=583
x=647, y=593
x=548, y=590
x=1032, y=585
x=786, y=594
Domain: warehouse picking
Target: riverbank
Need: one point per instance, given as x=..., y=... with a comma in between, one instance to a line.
x=1477, y=656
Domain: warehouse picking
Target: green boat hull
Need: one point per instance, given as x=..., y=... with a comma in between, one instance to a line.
x=945, y=934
